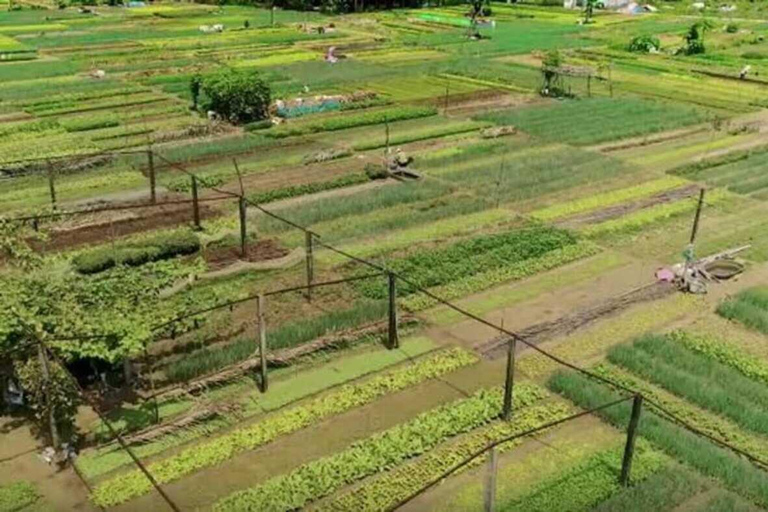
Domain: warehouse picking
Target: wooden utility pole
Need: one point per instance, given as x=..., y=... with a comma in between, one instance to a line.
x=51, y=184
x=152, y=178
x=43, y=356
x=309, y=243
x=490, y=480
x=262, y=338
x=629, y=449
x=509, y=383
x=394, y=340
x=243, y=233
x=195, y=204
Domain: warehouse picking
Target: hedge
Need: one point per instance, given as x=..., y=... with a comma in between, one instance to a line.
x=134, y=254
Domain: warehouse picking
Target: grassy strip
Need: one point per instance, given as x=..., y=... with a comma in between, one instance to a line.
x=284, y=336
x=661, y=491
x=723, y=352
x=584, y=486
x=398, y=483
x=511, y=272
x=343, y=122
x=606, y=199
x=124, y=487
x=439, y=266
x=322, y=477
x=308, y=188
x=639, y=220
x=713, y=424
x=706, y=390
x=17, y=495
x=749, y=307
x=736, y=473
x=284, y=389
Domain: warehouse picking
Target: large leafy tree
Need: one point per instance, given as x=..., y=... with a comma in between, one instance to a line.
x=236, y=95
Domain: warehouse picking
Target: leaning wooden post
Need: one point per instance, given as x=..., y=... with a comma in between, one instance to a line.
x=51, y=184
x=629, y=449
x=152, y=178
x=394, y=341
x=243, y=234
x=310, y=263
x=262, y=342
x=195, y=204
x=490, y=480
x=697, y=217
x=509, y=383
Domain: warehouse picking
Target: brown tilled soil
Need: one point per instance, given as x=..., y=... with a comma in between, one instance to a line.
x=571, y=322
x=99, y=228
x=626, y=208
x=260, y=250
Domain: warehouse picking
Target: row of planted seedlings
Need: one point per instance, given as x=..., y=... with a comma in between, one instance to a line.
x=714, y=385
x=395, y=466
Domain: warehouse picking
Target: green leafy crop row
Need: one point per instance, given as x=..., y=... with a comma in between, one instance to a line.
x=432, y=267
x=584, y=486
x=697, y=378
x=728, y=354
x=715, y=425
x=400, y=482
x=160, y=247
x=342, y=122
x=124, y=487
x=606, y=199
x=749, y=307
x=17, y=495
x=308, y=188
x=324, y=476
x=511, y=272
x=736, y=473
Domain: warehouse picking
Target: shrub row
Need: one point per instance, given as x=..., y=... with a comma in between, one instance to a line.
x=17, y=496
x=503, y=274
x=736, y=473
x=698, y=379
x=124, y=487
x=343, y=122
x=159, y=247
x=724, y=352
x=307, y=188
x=88, y=123
x=429, y=267
x=588, y=483
x=749, y=307
x=322, y=477
x=390, y=488
x=283, y=336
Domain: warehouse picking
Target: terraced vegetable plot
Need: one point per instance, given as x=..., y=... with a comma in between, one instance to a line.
x=543, y=215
